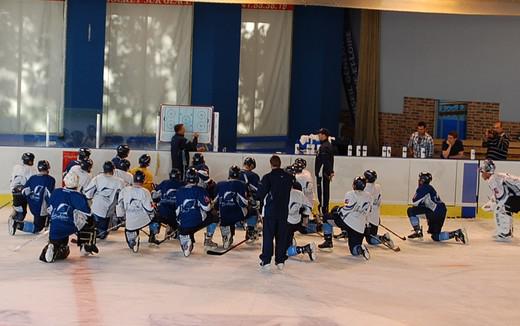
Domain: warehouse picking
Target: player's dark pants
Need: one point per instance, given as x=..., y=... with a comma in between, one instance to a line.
x=435, y=218
x=275, y=228
x=35, y=226
x=291, y=228
x=102, y=226
x=371, y=234
x=355, y=239
x=323, y=185
x=211, y=218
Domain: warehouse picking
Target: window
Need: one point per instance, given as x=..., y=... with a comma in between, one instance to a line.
x=451, y=116
x=265, y=68
x=31, y=66
x=147, y=63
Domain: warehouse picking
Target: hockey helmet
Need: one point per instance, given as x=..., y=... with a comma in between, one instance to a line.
x=301, y=161
x=108, y=167
x=425, y=178
x=145, y=160
x=86, y=165
x=197, y=159
x=123, y=151
x=370, y=176
x=488, y=166
x=192, y=176
x=251, y=162
x=359, y=183
x=71, y=180
x=28, y=158
x=234, y=172
x=84, y=153
x=139, y=177
x=175, y=174
x=44, y=165
x=124, y=164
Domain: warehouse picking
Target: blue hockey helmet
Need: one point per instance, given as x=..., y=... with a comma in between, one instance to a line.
x=123, y=150
x=124, y=164
x=192, y=176
x=145, y=160
x=44, y=165
x=425, y=178
x=234, y=172
x=28, y=158
x=84, y=153
x=175, y=174
x=370, y=175
x=251, y=162
x=139, y=177
x=86, y=165
x=359, y=183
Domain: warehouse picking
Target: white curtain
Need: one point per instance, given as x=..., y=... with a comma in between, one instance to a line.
x=265, y=72
x=31, y=65
x=147, y=63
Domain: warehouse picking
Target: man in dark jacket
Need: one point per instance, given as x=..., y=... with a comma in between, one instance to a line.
x=180, y=148
x=324, y=170
x=275, y=187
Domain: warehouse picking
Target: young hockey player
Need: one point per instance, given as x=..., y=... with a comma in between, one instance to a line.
x=299, y=209
x=103, y=190
x=83, y=154
x=122, y=153
x=37, y=191
x=135, y=203
x=505, y=201
x=374, y=190
x=232, y=204
x=82, y=170
x=165, y=197
x=193, y=211
x=426, y=201
x=69, y=214
x=352, y=218
x=144, y=163
x=21, y=173
x=304, y=178
x=252, y=181
x=122, y=172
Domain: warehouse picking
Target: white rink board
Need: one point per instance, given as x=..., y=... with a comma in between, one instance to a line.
x=397, y=176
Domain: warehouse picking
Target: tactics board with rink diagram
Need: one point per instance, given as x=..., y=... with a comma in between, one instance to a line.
x=195, y=119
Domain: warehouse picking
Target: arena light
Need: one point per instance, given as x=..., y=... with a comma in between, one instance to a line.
x=465, y=7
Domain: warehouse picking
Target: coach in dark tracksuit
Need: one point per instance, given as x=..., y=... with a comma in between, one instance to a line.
x=180, y=148
x=324, y=170
x=276, y=188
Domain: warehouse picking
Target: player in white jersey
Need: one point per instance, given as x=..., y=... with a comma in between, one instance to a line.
x=374, y=218
x=304, y=178
x=352, y=217
x=103, y=190
x=121, y=171
x=83, y=172
x=21, y=173
x=505, y=201
x=135, y=204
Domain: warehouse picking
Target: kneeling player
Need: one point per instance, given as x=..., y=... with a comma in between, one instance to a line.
x=144, y=167
x=21, y=173
x=374, y=190
x=193, y=211
x=82, y=170
x=232, y=204
x=352, y=218
x=505, y=201
x=299, y=209
x=427, y=202
x=135, y=203
x=252, y=181
x=70, y=214
x=165, y=196
x=37, y=190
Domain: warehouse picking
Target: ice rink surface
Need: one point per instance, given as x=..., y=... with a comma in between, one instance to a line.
x=426, y=283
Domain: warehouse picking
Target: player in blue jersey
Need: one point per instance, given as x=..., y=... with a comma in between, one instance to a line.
x=83, y=154
x=37, y=190
x=164, y=196
x=231, y=202
x=427, y=202
x=69, y=214
x=252, y=181
x=193, y=211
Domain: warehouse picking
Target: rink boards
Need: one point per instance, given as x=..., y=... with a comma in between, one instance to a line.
x=457, y=181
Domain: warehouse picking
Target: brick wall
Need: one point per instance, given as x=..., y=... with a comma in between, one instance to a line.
x=396, y=128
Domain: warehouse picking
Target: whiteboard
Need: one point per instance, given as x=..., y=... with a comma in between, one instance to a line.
x=195, y=119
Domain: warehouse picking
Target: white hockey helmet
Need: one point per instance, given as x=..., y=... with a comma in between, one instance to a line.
x=71, y=180
x=488, y=166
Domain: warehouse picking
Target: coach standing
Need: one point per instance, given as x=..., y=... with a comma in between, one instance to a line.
x=324, y=170
x=180, y=148
x=275, y=187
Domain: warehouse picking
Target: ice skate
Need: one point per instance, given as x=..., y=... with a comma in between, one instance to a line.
x=327, y=245
x=280, y=266
x=208, y=242
x=265, y=267
x=388, y=242
x=417, y=234
x=49, y=254
x=11, y=226
x=152, y=239
x=461, y=235
x=310, y=249
x=186, y=245
x=364, y=252
x=251, y=235
x=501, y=237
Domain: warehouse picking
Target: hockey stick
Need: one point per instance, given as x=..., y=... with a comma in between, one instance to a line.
x=38, y=237
x=220, y=253
x=101, y=233
x=395, y=248
x=397, y=235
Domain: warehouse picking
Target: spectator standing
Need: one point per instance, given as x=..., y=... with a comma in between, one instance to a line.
x=452, y=147
x=421, y=140
x=497, y=143
x=180, y=148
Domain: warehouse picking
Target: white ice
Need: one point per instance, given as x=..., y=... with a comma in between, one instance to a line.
x=426, y=283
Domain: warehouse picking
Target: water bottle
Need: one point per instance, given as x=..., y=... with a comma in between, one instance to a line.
x=358, y=150
x=365, y=150
x=423, y=152
x=389, y=151
x=349, y=150
x=405, y=151
x=383, y=152
x=472, y=154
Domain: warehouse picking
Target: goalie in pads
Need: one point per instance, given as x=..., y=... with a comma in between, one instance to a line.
x=505, y=201
x=70, y=214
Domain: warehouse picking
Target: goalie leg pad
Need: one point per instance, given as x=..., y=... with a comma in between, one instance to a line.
x=504, y=223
